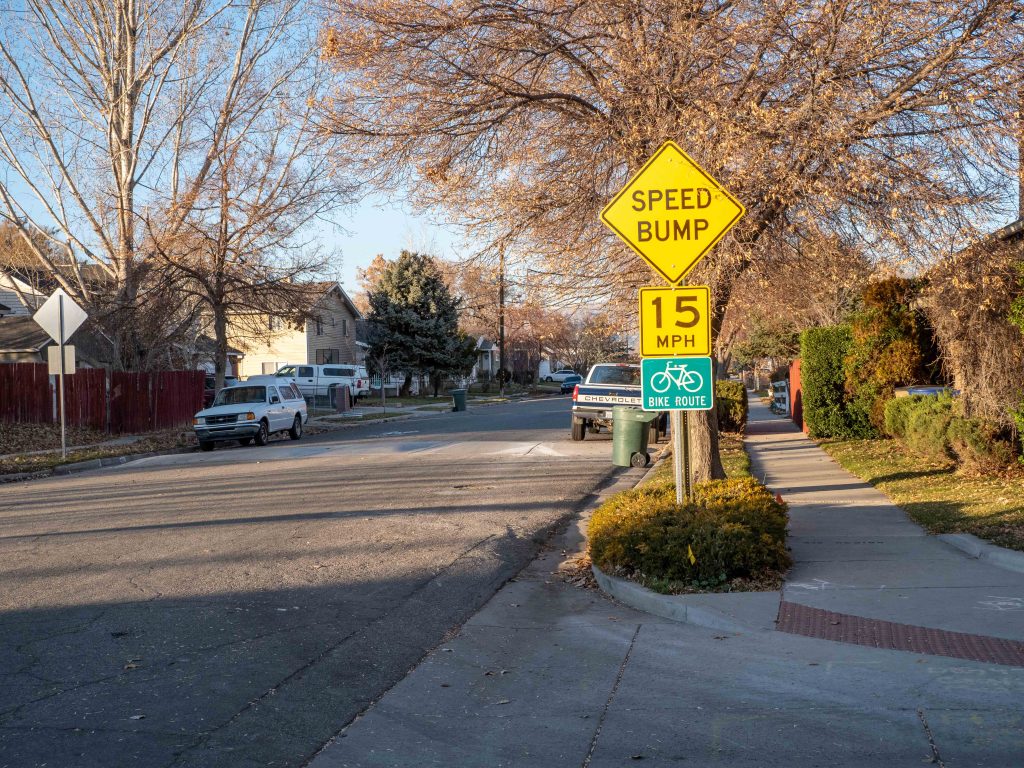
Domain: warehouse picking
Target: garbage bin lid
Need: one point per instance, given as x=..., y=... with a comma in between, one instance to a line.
x=629, y=413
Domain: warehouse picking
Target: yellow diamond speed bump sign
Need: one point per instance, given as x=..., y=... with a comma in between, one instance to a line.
x=675, y=322
x=672, y=212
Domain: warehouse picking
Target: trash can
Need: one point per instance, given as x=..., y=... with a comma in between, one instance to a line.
x=631, y=428
x=340, y=400
x=459, y=397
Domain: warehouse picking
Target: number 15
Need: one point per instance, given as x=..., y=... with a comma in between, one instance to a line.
x=691, y=313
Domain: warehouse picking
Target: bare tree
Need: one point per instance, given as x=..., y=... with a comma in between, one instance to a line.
x=245, y=194
x=85, y=85
x=156, y=139
x=886, y=122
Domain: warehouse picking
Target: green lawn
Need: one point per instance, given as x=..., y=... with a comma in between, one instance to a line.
x=934, y=495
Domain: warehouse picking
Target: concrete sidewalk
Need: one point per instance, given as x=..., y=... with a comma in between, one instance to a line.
x=856, y=553
x=549, y=674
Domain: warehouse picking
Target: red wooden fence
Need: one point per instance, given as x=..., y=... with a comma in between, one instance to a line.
x=85, y=398
x=25, y=393
x=119, y=402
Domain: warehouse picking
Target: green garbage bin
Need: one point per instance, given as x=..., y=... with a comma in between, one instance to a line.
x=459, y=398
x=631, y=428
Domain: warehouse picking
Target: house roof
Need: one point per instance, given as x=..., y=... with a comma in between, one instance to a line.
x=21, y=334
x=333, y=285
x=483, y=345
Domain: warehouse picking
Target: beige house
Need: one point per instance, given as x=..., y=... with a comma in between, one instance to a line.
x=327, y=336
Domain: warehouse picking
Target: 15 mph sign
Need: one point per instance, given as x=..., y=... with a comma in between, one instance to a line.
x=672, y=212
x=675, y=321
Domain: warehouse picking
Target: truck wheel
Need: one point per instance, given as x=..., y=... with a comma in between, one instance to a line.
x=206, y=445
x=262, y=436
x=579, y=429
x=296, y=431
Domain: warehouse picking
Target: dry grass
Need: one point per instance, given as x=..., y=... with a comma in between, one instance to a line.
x=935, y=495
x=166, y=440
x=735, y=460
x=21, y=438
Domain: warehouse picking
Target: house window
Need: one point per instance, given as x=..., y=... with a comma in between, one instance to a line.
x=270, y=368
x=275, y=323
x=327, y=356
x=344, y=326
x=319, y=326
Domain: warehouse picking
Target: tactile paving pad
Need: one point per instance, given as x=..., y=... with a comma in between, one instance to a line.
x=803, y=620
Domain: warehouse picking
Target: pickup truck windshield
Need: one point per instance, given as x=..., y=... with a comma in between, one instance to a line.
x=615, y=374
x=240, y=395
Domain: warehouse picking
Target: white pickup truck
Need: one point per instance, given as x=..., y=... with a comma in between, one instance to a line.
x=608, y=385
x=318, y=382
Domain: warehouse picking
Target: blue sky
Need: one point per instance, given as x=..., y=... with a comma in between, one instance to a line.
x=381, y=226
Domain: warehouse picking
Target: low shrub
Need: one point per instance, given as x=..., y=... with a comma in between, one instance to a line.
x=927, y=424
x=978, y=446
x=897, y=413
x=731, y=404
x=735, y=529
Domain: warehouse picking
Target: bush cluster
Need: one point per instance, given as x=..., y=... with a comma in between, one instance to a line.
x=932, y=428
x=827, y=410
x=731, y=404
x=891, y=346
x=734, y=528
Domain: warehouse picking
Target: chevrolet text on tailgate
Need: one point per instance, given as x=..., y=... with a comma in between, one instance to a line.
x=607, y=385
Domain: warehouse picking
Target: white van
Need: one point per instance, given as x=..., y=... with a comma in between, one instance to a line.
x=318, y=381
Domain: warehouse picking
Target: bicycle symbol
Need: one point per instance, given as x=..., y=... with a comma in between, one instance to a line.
x=690, y=381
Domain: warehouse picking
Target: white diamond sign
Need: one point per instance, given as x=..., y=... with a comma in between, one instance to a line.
x=49, y=315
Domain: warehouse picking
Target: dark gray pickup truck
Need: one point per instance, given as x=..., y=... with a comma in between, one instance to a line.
x=608, y=385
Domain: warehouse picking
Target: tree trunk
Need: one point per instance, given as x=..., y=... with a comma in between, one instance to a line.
x=705, y=458
x=220, y=354
x=406, y=385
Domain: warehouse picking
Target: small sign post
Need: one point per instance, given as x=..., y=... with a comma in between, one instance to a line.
x=60, y=317
x=672, y=213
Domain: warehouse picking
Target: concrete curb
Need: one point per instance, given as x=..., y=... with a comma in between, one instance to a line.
x=738, y=612
x=974, y=547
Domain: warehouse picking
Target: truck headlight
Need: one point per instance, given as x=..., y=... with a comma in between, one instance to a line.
x=250, y=416
x=197, y=420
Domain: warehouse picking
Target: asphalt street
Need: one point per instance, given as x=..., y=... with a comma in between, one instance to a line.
x=239, y=608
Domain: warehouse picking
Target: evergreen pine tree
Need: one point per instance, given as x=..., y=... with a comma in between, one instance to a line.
x=415, y=318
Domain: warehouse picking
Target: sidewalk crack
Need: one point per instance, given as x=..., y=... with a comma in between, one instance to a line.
x=611, y=696
x=936, y=758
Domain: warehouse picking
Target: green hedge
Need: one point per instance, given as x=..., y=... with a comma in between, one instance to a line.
x=931, y=428
x=927, y=423
x=731, y=404
x=979, y=447
x=734, y=528
x=827, y=411
x=897, y=414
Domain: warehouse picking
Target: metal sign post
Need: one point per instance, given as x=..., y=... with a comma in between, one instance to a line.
x=681, y=456
x=60, y=378
x=60, y=317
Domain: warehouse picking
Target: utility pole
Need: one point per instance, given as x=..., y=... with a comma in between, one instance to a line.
x=501, y=322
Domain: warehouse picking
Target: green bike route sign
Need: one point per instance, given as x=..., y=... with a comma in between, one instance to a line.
x=677, y=384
